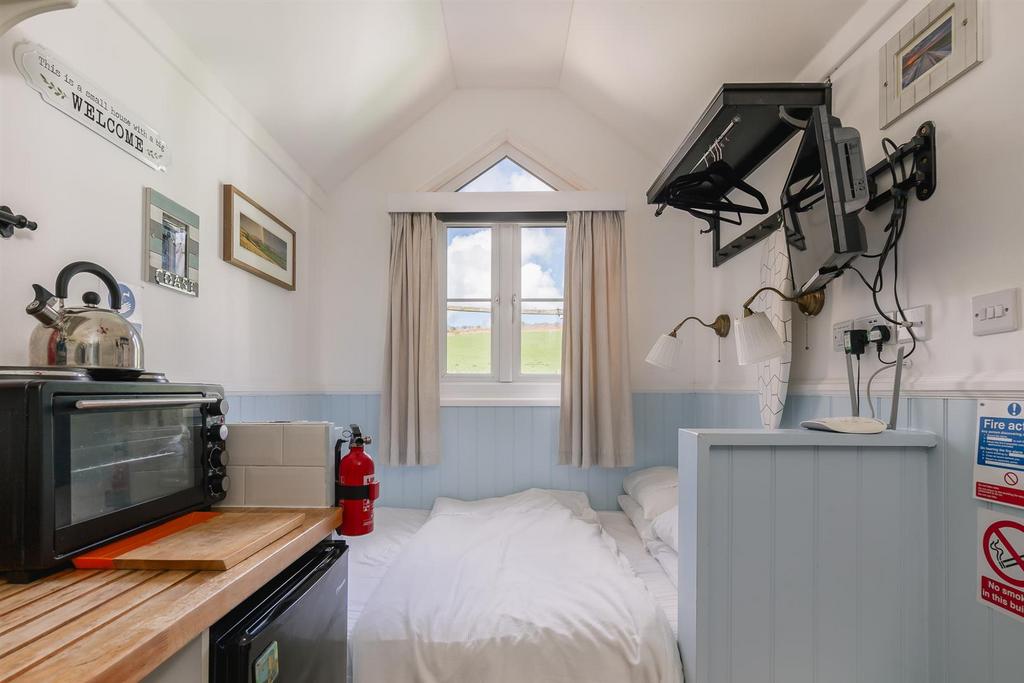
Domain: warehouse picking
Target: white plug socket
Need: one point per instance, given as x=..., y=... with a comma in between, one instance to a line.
x=838, y=344
x=921, y=318
x=876, y=320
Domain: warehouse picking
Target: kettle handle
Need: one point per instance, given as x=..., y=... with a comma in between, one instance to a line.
x=73, y=269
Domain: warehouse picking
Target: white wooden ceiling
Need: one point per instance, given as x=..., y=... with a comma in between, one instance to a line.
x=335, y=80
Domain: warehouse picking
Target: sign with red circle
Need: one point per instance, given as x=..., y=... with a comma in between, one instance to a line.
x=1011, y=478
x=1003, y=544
x=1001, y=562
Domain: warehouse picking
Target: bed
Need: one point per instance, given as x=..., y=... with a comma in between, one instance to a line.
x=631, y=624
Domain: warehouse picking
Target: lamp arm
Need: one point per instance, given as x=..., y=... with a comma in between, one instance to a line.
x=746, y=304
x=720, y=325
x=809, y=303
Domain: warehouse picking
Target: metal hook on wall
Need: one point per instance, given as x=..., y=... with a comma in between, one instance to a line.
x=10, y=220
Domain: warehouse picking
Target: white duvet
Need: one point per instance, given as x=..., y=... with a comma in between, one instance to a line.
x=516, y=589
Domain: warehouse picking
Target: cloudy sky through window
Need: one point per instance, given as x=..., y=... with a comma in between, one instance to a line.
x=469, y=268
x=506, y=176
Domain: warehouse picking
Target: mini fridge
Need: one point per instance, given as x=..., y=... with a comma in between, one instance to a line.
x=294, y=628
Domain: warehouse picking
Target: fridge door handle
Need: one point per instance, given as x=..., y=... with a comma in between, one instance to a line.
x=293, y=596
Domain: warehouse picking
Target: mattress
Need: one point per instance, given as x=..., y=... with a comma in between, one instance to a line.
x=521, y=587
x=649, y=569
x=371, y=555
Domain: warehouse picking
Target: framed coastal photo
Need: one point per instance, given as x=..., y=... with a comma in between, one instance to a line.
x=171, y=244
x=941, y=43
x=257, y=241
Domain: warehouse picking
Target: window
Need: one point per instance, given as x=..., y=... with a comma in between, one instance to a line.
x=506, y=176
x=504, y=302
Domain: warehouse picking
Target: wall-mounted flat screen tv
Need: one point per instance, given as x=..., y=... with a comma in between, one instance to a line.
x=826, y=188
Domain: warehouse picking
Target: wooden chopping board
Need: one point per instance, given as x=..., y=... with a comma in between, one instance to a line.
x=215, y=541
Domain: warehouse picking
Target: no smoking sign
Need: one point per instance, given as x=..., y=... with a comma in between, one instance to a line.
x=1001, y=562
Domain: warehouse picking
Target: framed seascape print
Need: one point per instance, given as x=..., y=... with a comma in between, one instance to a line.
x=257, y=241
x=942, y=42
x=171, y=244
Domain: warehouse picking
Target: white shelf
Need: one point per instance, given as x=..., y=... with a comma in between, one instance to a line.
x=900, y=438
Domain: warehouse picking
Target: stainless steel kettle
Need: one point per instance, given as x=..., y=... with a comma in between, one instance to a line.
x=97, y=339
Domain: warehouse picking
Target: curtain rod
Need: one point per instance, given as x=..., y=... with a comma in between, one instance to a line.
x=511, y=202
x=502, y=216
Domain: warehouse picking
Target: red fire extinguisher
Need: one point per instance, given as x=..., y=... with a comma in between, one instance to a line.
x=356, y=487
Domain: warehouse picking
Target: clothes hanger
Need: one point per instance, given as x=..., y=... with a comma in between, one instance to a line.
x=719, y=175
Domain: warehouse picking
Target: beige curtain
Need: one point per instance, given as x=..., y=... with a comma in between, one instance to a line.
x=410, y=402
x=596, y=426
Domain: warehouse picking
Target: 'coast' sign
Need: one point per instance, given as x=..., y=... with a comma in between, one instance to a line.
x=65, y=90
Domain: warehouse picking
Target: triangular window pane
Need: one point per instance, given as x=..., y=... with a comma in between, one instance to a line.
x=506, y=176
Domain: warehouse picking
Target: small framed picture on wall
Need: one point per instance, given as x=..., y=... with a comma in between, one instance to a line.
x=171, y=244
x=941, y=43
x=257, y=241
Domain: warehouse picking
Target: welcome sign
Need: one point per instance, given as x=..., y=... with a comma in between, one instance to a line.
x=74, y=95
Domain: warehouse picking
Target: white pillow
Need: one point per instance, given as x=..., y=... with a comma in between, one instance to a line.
x=652, y=476
x=666, y=527
x=656, y=489
x=636, y=516
x=530, y=499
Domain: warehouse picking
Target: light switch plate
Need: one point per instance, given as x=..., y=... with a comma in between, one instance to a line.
x=996, y=312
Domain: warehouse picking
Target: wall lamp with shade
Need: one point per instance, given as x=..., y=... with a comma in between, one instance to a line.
x=667, y=352
x=756, y=337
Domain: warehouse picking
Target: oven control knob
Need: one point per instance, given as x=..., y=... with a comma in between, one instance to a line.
x=218, y=486
x=218, y=458
x=216, y=433
x=218, y=407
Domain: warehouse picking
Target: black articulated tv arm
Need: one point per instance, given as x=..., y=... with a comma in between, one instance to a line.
x=922, y=180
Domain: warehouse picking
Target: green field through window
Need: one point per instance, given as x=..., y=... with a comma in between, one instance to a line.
x=469, y=351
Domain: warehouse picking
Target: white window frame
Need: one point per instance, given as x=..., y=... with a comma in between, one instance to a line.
x=506, y=384
x=488, y=161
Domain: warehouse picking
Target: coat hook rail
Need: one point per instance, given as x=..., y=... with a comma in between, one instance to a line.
x=9, y=221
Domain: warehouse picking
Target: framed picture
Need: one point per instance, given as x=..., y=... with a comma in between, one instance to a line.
x=941, y=43
x=257, y=241
x=171, y=244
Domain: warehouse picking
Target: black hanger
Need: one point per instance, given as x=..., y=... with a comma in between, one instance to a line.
x=690, y=192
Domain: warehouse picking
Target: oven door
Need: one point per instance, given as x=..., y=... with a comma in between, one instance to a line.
x=124, y=462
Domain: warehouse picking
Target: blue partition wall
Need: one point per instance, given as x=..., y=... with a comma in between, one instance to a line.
x=492, y=451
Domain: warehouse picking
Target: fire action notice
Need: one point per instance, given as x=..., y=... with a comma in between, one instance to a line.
x=999, y=453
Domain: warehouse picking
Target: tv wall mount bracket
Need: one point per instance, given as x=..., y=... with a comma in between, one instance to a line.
x=744, y=125
x=920, y=149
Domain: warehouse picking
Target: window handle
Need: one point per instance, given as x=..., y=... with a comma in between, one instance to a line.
x=515, y=300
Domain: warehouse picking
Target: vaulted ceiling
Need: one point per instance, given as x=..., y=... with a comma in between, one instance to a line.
x=334, y=80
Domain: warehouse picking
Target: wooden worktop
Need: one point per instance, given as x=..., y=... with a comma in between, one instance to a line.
x=92, y=625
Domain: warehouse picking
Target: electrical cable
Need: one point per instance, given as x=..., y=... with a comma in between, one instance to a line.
x=893, y=230
x=872, y=379
x=862, y=278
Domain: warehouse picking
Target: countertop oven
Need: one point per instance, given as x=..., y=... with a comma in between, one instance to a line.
x=84, y=463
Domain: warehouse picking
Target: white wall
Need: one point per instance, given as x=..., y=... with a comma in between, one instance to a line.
x=965, y=241
x=87, y=197
x=456, y=133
